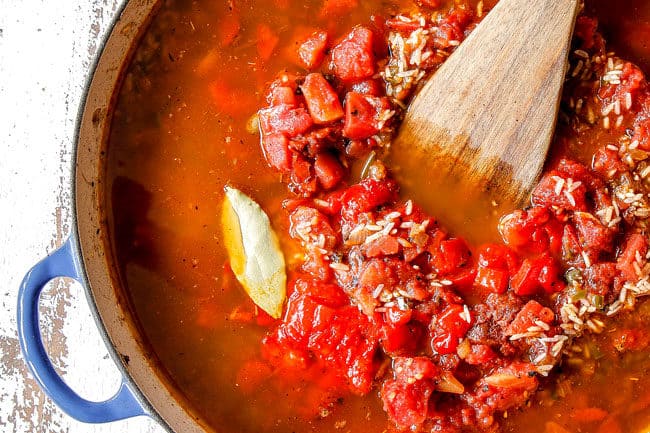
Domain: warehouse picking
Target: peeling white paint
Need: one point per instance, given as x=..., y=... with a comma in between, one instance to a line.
x=46, y=49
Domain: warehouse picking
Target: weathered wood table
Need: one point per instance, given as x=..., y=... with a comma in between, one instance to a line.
x=46, y=50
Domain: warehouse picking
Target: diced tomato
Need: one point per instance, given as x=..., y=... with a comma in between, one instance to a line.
x=528, y=315
x=499, y=257
x=495, y=265
x=406, y=397
x=535, y=273
x=318, y=140
x=276, y=151
x=632, y=82
x=284, y=119
x=571, y=249
x=517, y=228
x=383, y=246
x=452, y=27
x=553, y=231
x=388, y=272
x=283, y=95
x=480, y=354
x=322, y=101
x=353, y=58
x=267, y=41
x=602, y=200
x=312, y=227
x=284, y=80
x=408, y=370
x=366, y=196
x=345, y=344
x=636, y=247
x=331, y=203
x=642, y=131
x=599, y=277
x=508, y=387
x=403, y=26
x=607, y=163
x=463, y=279
x=449, y=329
x=579, y=172
x=532, y=231
x=526, y=281
x=373, y=273
x=593, y=235
x=361, y=115
x=317, y=265
x=302, y=314
x=492, y=280
x=400, y=339
x=329, y=170
x=359, y=148
x=411, y=281
x=328, y=294
x=406, y=404
x=450, y=256
x=303, y=178
x=557, y=190
x=550, y=274
x=312, y=50
x=395, y=316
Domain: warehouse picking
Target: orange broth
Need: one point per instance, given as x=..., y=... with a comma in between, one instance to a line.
x=179, y=135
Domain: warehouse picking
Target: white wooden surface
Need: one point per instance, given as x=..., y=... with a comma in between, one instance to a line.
x=46, y=47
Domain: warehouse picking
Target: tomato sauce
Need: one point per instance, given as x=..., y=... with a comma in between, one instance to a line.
x=627, y=26
x=403, y=313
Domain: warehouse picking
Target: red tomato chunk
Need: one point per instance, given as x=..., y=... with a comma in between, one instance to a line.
x=322, y=101
x=362, y=115
x=449, y=329
x=312, y=50
x=406, y=397
x=353, y=58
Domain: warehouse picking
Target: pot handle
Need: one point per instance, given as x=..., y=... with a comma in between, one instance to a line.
x=63, y=262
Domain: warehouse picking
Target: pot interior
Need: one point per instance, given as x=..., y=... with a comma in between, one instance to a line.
x=168, y=124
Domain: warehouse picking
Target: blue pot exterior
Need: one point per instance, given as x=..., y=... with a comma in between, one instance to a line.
x=64, y=262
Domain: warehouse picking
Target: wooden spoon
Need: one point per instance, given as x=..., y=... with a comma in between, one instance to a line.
x=488, y=114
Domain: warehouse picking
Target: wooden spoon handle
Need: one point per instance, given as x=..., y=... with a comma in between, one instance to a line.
x=492, y=105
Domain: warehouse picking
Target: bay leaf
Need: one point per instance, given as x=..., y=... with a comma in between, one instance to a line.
x=254, y=251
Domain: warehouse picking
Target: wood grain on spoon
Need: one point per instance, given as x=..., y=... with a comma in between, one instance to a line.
x=488, y=114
